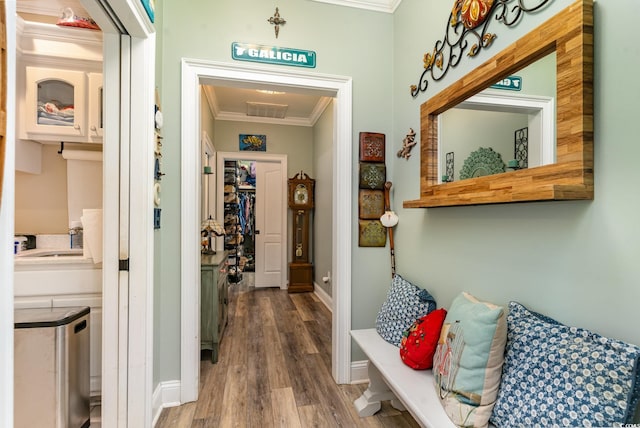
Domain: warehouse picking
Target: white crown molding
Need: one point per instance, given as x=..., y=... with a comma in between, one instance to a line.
x=50, y=7
x=387, y=6
x=319, y=109
x=57, y=33
x=212, y=102
x=51, y=45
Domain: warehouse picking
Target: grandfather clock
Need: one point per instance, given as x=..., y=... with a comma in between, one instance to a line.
x=301, y=204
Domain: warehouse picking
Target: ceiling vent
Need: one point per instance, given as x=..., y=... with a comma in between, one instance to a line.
x=277, y=111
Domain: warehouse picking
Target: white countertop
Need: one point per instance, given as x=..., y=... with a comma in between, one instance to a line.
x=42, y=257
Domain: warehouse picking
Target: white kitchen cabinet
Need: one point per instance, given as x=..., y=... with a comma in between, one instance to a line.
x=96, y=114
x=62, y=105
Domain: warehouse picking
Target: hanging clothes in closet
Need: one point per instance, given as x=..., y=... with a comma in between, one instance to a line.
x=247, y=212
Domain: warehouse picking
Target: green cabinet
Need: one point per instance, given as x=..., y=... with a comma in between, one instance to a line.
x=214, y=301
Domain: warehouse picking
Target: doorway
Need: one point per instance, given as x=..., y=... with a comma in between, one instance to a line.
x=197, y=72
x=271, y=172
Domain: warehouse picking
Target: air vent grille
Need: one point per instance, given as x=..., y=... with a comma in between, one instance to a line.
x=277, y=111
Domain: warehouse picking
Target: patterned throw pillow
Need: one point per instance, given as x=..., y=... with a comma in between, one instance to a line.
x=468, y=361
x=420, y=340
x=405, y=303
x=556, y=375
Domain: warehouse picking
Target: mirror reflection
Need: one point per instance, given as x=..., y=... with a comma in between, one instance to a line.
x=500, y=130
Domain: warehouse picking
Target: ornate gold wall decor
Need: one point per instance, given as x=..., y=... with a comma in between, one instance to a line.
x=467, y=32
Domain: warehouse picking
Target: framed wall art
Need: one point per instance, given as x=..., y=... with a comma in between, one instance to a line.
x=253, y=143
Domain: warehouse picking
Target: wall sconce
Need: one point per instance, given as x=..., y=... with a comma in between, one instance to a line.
x=210, y=227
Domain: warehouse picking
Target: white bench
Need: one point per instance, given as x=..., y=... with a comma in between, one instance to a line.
x=391, y=379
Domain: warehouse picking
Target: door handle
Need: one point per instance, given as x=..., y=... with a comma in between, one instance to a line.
x=257, y=232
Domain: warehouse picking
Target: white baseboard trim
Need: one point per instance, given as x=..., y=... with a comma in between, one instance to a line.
x=323, y=296
x=359, y=372
x=167, y=394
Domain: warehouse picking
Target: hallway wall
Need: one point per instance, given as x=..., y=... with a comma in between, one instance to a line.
x=348, y=42
x=575, y=261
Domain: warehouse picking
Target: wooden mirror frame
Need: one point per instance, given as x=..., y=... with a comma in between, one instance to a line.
x=570, y=35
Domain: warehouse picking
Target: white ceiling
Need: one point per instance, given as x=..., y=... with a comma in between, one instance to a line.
x=252, y=105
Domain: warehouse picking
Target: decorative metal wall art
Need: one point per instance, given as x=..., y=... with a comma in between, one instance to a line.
x=277, y=21
x=467, y=31
x=481, y=162
x=372, y=147
x=371, y=204
x=373, y=174
x=521, y=147
x=407, y=144
x=371, y=233
x=449, y=168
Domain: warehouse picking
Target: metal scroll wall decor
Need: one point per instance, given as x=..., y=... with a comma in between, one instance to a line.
x=467, y=31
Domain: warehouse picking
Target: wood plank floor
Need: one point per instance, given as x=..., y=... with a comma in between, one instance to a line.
x=274, y=370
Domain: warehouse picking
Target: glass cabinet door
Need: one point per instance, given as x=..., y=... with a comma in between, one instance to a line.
x=55, y=102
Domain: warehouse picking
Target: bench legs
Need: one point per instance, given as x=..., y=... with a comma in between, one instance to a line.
x=369, y=402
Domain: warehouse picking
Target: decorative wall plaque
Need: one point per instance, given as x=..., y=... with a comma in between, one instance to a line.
x=521, y=147
x=371, y=147
x=372, y=175
x=370, y=204
x=371, y=233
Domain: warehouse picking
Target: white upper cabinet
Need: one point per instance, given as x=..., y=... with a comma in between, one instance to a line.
x=62, y=105
x=59, y=83
x=96, y=113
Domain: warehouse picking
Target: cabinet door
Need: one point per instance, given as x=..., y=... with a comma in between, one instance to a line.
x=96, y=114
x=208, y=297
x=223, y=300
x=55, y=102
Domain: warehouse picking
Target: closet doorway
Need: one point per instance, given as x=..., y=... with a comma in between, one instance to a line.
x=262, y=193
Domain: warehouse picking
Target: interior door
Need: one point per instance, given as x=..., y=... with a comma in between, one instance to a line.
x=269, y=224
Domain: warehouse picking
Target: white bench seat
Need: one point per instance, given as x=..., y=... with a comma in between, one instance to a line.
x=391, y=379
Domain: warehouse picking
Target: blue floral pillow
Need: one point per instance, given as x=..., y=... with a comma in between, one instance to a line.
x=405, y=303
x=556, y=375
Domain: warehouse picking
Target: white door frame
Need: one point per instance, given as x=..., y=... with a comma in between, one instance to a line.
x=196, y=72
x=127, y=358
x=264, y=157
x=129, y=403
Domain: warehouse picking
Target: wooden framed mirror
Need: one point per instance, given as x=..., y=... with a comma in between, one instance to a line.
x=570, y=35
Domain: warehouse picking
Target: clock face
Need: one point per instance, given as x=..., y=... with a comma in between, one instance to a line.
x=301, y=194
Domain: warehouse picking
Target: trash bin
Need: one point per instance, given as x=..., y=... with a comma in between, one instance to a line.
x=51, y=368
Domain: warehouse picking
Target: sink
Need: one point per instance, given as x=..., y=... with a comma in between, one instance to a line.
x=51, y=252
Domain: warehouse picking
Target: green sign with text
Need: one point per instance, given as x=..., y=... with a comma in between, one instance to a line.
x=511, y=83
x=273, y=55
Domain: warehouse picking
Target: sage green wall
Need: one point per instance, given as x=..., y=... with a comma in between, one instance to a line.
x=575, y=261
x=322, y=220
x=294, y=141
x=348, y=42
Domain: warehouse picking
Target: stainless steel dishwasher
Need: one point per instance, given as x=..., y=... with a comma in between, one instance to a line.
x=51, y=368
